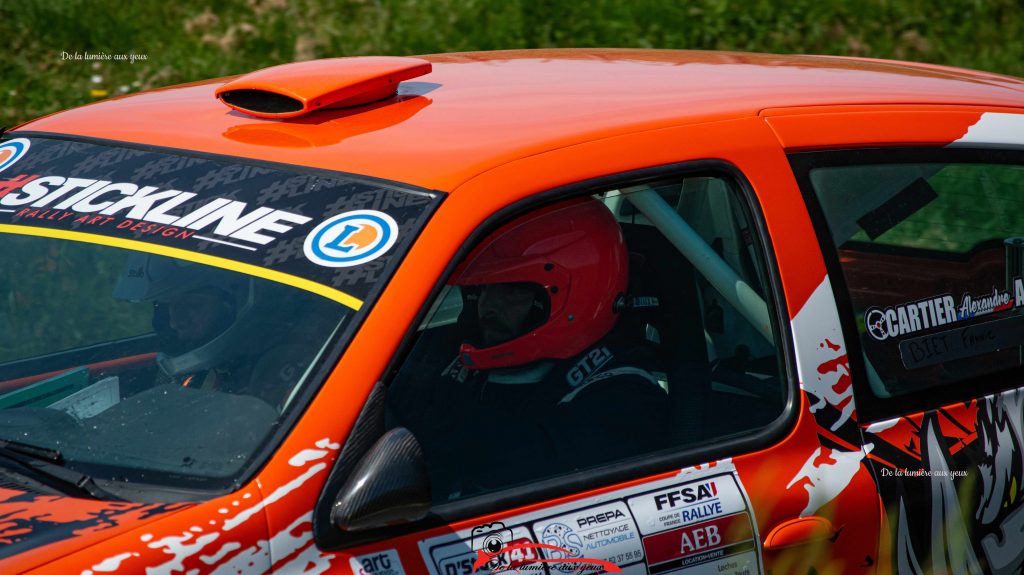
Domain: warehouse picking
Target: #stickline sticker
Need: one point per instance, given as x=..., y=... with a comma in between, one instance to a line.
x=295, y=224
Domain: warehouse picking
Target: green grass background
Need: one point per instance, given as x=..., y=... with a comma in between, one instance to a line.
x=188, y=40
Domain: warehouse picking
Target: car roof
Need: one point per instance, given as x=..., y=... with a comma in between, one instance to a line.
x=475, y=111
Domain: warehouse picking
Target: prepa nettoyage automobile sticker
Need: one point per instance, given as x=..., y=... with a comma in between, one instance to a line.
x=697, y=522
x=334, y=230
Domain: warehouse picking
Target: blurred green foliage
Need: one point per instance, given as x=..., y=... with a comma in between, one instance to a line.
x=57, y=295
x=977, y=204
x=188, y=40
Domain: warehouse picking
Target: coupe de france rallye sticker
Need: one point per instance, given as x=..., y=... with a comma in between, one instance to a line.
x=698, y=522
x=702, y=526
x=338, y=231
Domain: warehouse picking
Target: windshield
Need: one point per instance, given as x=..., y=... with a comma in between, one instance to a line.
x=162, y=316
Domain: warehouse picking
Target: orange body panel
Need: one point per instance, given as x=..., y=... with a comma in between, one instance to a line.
x=859, y=126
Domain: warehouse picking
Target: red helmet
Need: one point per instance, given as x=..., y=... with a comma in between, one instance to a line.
x=576, y=253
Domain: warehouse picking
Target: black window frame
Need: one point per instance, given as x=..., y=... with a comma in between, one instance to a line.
x=329, y=538
x=870, y=407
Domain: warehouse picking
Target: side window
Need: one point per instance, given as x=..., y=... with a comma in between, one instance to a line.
x=583, y=334
x=930, y=246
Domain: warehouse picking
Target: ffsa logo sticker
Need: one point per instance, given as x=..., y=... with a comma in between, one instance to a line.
x=12, y=151
x=351, y=239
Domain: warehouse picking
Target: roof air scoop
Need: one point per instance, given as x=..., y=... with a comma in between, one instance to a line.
x=291, y=90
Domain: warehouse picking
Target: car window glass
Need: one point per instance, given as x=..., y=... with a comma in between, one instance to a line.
x=151, y=369
x=27, y=268
x=275, y=258
x=931, y=256
x=583, y=393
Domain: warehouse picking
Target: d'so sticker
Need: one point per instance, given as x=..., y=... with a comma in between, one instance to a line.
x=351, y=239
x=12, y=151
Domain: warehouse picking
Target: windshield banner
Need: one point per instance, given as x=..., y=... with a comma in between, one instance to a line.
x=336, y=230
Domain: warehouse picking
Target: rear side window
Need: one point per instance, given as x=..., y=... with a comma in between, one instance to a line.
x=929, y=248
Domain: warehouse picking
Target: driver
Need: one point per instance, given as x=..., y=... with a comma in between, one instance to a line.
x=538, y=387
x=219, y=330
x=192, y=305
x=197, y=316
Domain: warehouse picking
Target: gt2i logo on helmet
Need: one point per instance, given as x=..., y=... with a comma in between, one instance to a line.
x=351, y=239
x=12, y=151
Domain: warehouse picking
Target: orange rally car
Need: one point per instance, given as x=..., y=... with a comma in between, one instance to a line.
x=552, y=312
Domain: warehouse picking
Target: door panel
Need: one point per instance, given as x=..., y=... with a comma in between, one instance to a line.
x=810, y=496
x=808, y=493
x=820, y=470
x=907, y=232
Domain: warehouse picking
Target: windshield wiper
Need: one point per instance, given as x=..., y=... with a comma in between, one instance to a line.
x=47, y=465
x=33, y=451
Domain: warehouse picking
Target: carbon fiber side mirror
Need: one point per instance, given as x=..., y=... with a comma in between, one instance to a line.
x=389, y=486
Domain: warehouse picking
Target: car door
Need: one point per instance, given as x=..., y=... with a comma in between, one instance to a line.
x=763, y=470
x=925, y=253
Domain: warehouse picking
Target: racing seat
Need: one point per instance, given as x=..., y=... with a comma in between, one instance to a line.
x=669, y=338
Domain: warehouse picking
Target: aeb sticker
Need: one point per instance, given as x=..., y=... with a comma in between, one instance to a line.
x=12, y=151
x=351, y=239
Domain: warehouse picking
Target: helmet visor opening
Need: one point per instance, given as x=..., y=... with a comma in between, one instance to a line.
x=506, y=311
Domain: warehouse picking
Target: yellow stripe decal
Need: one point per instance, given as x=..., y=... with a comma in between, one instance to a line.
x=257, y=271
